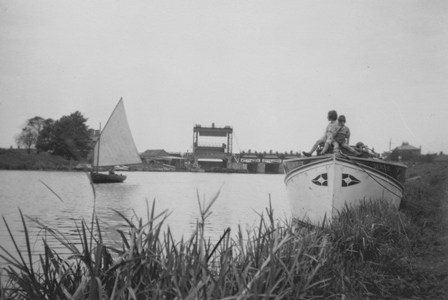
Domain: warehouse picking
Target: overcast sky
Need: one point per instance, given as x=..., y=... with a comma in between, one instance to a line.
x=270, y=69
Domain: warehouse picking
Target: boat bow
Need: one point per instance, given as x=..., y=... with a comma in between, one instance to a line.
x=319, y=187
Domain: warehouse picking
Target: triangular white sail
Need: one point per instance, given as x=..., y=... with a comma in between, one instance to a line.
x=116, y=145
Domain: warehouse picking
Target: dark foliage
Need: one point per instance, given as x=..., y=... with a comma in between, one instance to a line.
x=30, y=133
x=67, y=137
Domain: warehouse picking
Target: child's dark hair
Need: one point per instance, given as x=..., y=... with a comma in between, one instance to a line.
x=333, y=115
x=341, y=118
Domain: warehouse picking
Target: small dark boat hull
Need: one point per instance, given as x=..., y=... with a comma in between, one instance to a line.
x=107, y=178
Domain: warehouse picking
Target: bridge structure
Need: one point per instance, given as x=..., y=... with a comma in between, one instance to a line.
x=265, y=162
x=213, y=156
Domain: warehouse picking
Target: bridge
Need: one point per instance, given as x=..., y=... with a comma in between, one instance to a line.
x=214, y=155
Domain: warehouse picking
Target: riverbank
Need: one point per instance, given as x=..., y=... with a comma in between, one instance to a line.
x=373, y=252
x=20, y=159
x=430, y=254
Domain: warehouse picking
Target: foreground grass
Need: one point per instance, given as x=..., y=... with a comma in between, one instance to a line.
x=366, y=253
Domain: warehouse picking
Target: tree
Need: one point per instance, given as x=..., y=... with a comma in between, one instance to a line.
x=30, y=133
x=27, y=138
x=406, y=156
x=36, y=123
x=68, y=137
x=46, y=136
x=394, y=155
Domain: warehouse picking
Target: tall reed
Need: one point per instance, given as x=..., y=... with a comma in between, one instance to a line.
x=363, y=254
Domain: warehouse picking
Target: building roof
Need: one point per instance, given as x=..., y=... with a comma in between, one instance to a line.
x=159, y=154
x=407, y=147
x=154, y=153
x=212, y=155
x=270, y=156
x=249, y=155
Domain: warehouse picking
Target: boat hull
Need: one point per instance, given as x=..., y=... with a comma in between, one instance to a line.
x=320, y=187
x=107, y=178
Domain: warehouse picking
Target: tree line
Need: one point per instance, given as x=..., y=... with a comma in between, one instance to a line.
x=68, y=137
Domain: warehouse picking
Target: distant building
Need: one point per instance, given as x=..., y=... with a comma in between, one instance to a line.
x=213, y=155
x=150, y=156
x=161, y=157
x=406, y=150
x=272, y=162
x=441, y=158
x=250, y=161
x=94, y=135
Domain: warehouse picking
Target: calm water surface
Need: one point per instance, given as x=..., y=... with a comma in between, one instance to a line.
x=242, y=198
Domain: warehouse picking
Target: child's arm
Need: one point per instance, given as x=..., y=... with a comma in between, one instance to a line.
x=335, y=130
x=348, y=136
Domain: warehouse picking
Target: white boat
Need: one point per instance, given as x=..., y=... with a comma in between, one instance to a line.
x=319, y=187
x=121, y=168
x=195, y=168
x=115, y=146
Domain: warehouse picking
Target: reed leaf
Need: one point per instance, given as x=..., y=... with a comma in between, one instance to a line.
x=351, y=257
x=52, y=191
x=21, y=264
x=91, y=184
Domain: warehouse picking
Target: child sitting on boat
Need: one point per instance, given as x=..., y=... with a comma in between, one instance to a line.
x=327, y=138
x=342, y=137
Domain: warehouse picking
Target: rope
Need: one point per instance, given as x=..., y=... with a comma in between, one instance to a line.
x=237, y=142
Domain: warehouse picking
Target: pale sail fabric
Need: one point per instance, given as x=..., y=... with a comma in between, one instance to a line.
x=116, y=145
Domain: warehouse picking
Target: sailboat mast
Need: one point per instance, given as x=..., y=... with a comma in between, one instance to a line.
x=98, y=151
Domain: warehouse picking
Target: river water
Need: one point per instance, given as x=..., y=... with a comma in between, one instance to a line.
x=62, y=199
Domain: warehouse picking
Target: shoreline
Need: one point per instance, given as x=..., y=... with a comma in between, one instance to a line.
x=407, y=251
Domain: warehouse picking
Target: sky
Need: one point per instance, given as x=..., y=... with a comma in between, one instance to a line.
x=269, y=69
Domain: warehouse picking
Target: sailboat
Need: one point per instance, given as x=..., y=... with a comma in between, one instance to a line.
x=115, y=146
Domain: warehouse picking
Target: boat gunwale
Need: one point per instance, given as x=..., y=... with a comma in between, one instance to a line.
x=376, y=172
x=320, y=157
x=335, y=158
x=307, y=166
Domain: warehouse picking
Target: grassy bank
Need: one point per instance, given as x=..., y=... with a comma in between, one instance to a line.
x=372, y=252
x=20, y=159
